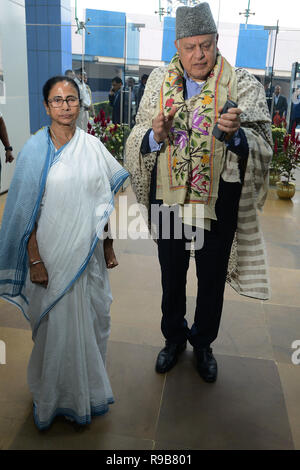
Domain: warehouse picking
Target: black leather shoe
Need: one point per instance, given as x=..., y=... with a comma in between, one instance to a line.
x=168, y=356
x=206, y=364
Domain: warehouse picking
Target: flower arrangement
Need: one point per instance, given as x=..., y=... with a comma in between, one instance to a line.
x=278, y=134
x=113, y=136
x=287, y=156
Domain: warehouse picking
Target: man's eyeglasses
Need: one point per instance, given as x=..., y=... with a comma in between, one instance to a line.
x=57, y=102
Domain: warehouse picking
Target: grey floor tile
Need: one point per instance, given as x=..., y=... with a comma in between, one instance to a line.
x=131, y=420
x=64, y=436
x=243, y=330
x=281, y=230
x=8, y=429
x=163, y=445
x=284, y=327
x=244, y=409
x=136, y=272
x=15, y=396
x=290, y=379
x=137, y=390
x=137, y=247
x=134, y=307
x=137, y=334
x=284, y=287
x=283, y=255
x=12, y=317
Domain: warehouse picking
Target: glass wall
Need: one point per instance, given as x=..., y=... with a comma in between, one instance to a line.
x=14, y=102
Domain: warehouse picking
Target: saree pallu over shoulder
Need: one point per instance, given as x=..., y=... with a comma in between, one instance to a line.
x=23, y=200
x=83, y=168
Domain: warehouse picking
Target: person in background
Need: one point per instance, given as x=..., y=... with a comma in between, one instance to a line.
x=91, y=108
x=130, y=86
x=114, y=97
x=295, y=115
x=70, y=73
x=268, y=91
x=5, y=141
x=141, y=90
x=279, y=103
x=85, y=98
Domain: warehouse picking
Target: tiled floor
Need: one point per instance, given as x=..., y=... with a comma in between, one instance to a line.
x=253, y=405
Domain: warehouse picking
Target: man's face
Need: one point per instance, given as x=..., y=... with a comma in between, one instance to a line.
x=277, y=90
x=116, y=86
x=198, y=55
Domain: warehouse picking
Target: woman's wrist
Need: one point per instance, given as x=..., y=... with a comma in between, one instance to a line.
x=34, y=262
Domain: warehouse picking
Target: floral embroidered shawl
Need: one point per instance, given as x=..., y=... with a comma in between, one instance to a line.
x=189, y=166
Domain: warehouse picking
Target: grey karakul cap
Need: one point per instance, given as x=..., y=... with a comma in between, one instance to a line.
x=194, y=21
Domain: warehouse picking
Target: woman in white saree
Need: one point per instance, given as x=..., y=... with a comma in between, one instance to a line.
x=60, y=281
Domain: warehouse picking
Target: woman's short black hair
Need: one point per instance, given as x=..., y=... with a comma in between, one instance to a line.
x=52, y=81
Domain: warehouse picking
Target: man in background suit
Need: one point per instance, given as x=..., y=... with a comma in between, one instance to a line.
x=280, y=103
x=114, y=97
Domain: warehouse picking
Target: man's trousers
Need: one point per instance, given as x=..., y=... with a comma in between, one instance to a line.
x=211, y=267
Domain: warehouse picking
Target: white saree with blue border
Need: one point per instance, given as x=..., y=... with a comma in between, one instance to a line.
x=69, y=194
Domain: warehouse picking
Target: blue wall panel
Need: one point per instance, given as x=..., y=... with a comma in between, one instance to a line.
x=49, y=50
x=169, y=36
x=34, y=113
x=32, y=62
x=42, y=31
x=252, y=47
x=107, y=39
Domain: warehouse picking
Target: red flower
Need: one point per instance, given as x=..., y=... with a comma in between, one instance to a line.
x=276, y=146
x=96, y=119
x=293, y=133
x=102, y=114
x=89, y=126
x=92, y=132
x=169, y=103
x=286, y=141
x=108, y=120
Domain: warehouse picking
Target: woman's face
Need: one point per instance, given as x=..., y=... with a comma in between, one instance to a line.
x=64, y=113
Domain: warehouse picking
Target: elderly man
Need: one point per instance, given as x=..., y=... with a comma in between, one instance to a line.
x=174, y=161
